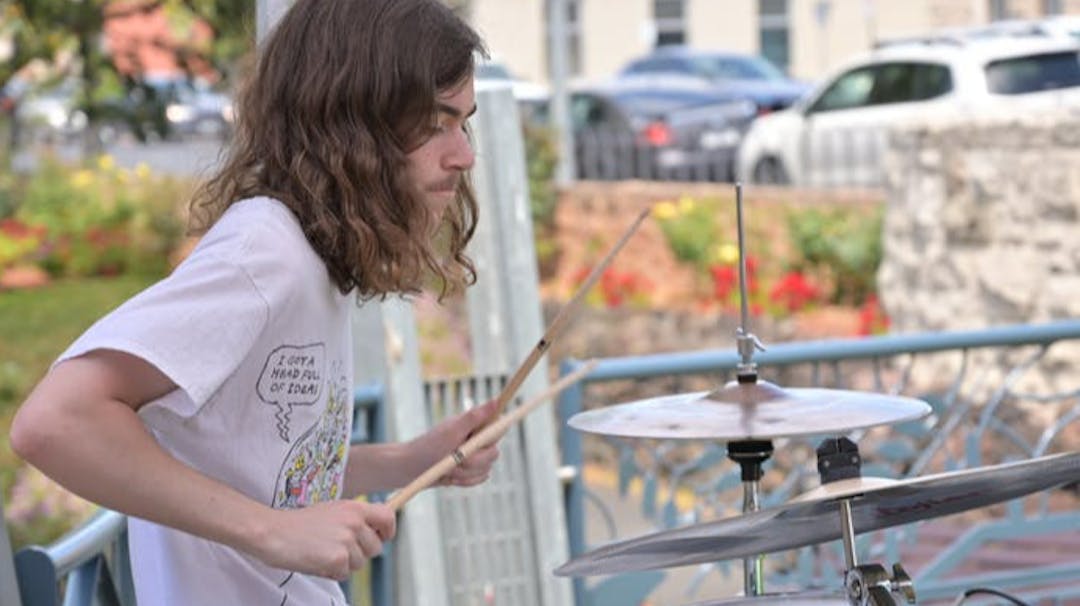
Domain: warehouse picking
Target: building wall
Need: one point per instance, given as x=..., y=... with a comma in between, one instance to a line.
x=514, y=33
x=614, y=31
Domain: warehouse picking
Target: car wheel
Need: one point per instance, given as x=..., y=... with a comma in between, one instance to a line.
x=771, y=171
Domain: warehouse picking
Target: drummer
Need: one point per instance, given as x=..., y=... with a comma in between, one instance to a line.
x=215, y=407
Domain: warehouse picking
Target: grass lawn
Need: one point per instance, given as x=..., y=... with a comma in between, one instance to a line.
x=36, y=325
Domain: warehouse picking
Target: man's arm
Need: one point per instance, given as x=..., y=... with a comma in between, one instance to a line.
x=381, y=467
x=79, y=426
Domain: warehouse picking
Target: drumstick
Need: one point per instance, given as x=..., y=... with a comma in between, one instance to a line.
x=556, y=325
x=485, y=437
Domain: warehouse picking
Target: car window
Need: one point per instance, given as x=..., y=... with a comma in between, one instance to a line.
x=738, y=68
x=589, y=111
x=1033, y=73
x=667, y=65
x=905, y=82
x=851, y=89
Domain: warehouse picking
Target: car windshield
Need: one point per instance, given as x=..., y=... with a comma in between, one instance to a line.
x=721, y=67
x=1033, y=73
x=658, y=102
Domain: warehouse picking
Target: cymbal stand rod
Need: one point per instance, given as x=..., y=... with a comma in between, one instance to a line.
x=753, y=566
x=847, y=527
x=751, y=455
x=745, y=341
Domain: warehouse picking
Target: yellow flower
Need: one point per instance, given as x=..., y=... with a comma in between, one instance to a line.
x=727, y=254
x=664, y=210
x=686, y=204
x=142, y=170
x=82, y=178
x=106, y=162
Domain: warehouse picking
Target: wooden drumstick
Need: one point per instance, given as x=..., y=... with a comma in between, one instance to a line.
x=485, y=437
x=556, y=325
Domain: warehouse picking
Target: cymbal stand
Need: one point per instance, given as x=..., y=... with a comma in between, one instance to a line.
x=864, y=584
x=749, y=454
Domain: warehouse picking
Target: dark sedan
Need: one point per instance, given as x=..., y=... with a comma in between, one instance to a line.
x=673, y=129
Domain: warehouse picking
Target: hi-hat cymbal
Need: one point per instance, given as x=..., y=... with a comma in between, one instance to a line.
x=817, y=519
x=750, y=411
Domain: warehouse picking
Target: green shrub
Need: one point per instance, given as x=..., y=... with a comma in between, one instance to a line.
x=93, y=220
x=841, y=246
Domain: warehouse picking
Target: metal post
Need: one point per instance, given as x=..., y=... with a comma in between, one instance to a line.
x=9, y=585
x=560, y=105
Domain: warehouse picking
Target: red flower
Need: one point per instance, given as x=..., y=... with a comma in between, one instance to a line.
x=794, y=291
x=725, y=278
x=872, y=318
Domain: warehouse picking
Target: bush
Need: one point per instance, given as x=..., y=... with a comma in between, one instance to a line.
x=842, y=247
x=92, y=220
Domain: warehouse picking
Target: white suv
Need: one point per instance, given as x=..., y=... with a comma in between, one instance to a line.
x=836, y=135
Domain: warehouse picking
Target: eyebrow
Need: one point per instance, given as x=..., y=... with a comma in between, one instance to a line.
x=453, y=111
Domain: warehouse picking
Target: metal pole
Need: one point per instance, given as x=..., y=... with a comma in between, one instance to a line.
x=9, y=585
x=560, y=104
x=267, y=13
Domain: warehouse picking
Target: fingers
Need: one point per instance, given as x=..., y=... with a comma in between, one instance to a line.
x=474, y=470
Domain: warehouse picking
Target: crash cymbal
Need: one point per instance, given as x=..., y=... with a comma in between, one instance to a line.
x=817, y=519
x=813, y=598
x=750, y=411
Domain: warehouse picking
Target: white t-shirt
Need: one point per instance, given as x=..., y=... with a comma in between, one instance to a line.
x=257, y=338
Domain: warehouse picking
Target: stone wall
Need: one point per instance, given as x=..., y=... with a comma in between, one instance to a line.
x=982, y=226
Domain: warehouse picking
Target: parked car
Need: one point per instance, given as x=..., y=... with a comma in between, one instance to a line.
x=837, y=135
x=675, y=129
x=739, y=75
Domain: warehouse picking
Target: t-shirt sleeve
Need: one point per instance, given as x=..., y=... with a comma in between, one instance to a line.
x=196, y=326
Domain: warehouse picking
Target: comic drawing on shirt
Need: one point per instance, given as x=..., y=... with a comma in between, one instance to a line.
x=293, y=375
x=312, y=471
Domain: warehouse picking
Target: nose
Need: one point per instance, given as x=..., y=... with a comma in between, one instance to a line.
x=459, y=154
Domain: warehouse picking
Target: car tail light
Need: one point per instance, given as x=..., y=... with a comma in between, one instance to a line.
x=657, y=134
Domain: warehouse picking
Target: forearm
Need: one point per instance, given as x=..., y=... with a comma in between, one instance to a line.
x=102, y=452
x=380, y=467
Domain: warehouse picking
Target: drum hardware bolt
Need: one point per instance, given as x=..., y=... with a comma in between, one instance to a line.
x=901, y=583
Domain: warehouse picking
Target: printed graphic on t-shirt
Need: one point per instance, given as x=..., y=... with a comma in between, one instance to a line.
x=312, y=472
x=293, y=375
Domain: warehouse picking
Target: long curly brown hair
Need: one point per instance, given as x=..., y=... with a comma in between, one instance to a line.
x=341, y=92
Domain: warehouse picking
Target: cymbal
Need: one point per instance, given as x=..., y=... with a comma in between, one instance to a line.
x=813, y=598
x=816, y=519
x=751, y=411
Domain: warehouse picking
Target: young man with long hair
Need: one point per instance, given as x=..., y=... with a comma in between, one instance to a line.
x=215, y=406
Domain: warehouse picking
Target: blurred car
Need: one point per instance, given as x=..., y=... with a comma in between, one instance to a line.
x=194, y=109
x=739, y=75
x=675, y=129
x=837, y=135
x=52, y=113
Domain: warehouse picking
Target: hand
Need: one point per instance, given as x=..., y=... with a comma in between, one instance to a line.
x=452, y=433
x=328, y=540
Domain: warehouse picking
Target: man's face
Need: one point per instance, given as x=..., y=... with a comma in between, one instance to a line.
x=436, y=167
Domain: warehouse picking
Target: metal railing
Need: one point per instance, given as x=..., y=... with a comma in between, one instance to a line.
x=976, y=416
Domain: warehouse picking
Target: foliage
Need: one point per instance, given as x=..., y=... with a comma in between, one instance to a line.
x=830, y=256
x=93, y=220
x=690, y=228
x=841, y=245
x=617, y=288
x=541, y=158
